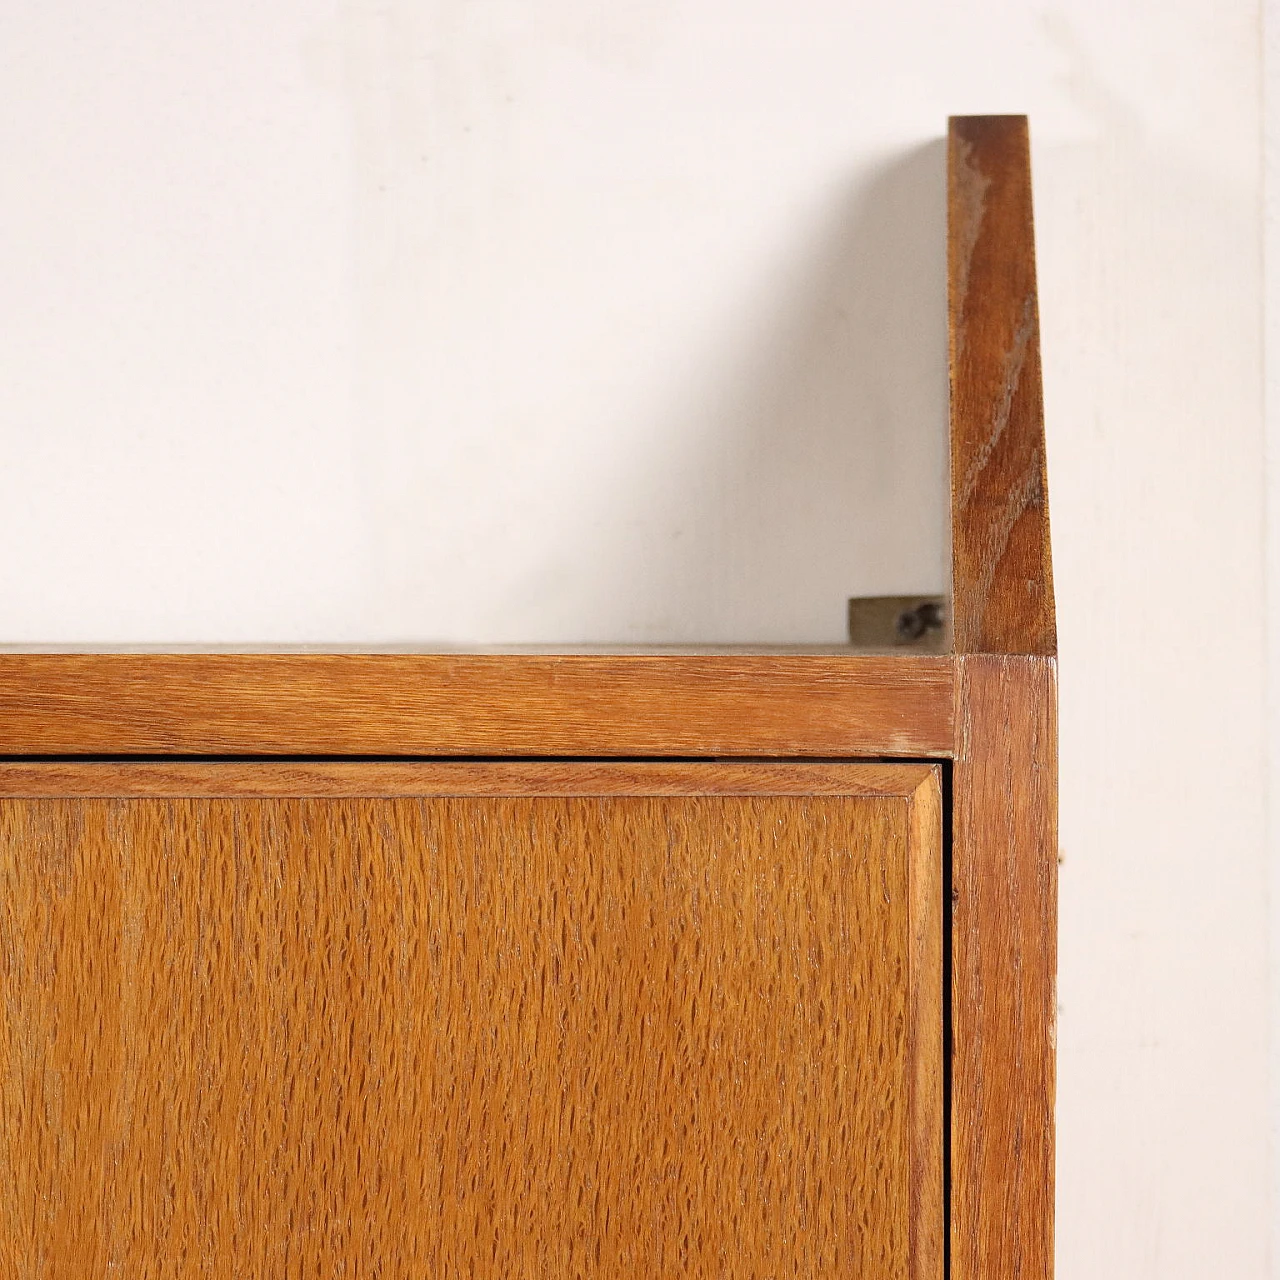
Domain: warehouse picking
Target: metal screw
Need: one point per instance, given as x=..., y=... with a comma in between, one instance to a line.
x=913, y=623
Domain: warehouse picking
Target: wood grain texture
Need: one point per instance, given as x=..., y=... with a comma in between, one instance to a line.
x=604, y=1035
x=1004, y=822
x=474, y=705
x=1002, y=572
x=1004, y=969
x=367, y=779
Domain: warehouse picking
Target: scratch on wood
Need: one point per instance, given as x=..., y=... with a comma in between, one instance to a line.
x=973, y=185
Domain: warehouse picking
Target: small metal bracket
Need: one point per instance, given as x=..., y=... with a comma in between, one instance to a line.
x=893, y=622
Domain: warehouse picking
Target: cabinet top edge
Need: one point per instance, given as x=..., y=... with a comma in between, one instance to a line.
x=443, y=705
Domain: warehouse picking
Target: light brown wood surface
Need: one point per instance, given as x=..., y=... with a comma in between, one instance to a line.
x=368, y=779
x=1004, y=866
x=598, y=1031
x=618, y=705
x=925, y=1010
x=1002, y=573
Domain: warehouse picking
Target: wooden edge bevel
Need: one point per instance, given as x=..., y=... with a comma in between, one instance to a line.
x=925, y=1029
x=387, y=779
x=1002, y=570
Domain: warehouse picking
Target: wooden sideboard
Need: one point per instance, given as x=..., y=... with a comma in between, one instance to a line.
x=722, y=962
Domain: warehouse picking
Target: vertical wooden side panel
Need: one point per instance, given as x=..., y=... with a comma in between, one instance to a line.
x=1002, y=574
x=1004, y=964
x=924, y=1029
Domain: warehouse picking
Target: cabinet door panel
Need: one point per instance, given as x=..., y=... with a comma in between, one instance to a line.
x=470, y=1020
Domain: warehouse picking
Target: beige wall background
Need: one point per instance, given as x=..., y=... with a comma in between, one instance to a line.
x=440, y=322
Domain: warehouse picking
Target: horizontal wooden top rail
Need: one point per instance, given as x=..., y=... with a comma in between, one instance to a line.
x=332, y=704
x=1002, y=573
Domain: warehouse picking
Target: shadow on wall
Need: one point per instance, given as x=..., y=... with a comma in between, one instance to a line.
x=820, y=469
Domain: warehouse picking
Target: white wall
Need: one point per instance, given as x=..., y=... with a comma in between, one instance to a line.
x=449, y=322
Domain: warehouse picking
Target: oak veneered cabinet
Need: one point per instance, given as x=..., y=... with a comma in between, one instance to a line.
x=672, y=963
x=485, y=1020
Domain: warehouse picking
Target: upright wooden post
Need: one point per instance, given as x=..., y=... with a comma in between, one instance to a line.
x=1004, y=834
